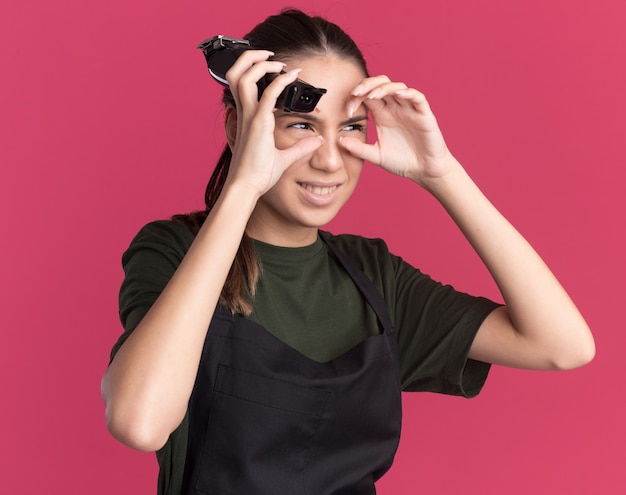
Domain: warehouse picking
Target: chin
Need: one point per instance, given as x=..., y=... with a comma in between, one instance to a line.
x=319, y=219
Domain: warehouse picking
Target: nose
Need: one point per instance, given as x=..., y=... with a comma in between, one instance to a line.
x=329, y=156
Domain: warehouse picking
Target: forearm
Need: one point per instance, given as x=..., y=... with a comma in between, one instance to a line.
x=148, y=384
x=547, y=328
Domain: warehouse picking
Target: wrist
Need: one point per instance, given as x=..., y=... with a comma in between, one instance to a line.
x=243, y=189
x=442, y=177
x=238, y=196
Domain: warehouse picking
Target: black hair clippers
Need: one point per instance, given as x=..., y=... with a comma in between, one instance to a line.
x=221, y=53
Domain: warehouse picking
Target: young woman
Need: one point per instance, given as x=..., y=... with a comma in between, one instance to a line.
x=264, y=356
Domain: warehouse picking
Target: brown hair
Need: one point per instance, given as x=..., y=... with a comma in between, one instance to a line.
x=290, y=34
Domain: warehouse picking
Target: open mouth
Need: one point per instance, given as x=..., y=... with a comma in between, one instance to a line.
x=318, y=190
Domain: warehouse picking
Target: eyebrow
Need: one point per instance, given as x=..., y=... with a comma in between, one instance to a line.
x=312, y=118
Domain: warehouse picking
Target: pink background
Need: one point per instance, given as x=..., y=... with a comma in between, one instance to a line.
x=109, y=120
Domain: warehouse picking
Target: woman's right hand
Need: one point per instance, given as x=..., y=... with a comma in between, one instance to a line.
x=250, y=126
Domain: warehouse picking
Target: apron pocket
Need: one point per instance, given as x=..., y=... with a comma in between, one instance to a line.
x=259, y=433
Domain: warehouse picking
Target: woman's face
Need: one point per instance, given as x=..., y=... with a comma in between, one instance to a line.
x=311, y=191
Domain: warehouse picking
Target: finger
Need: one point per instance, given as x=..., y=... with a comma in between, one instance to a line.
x=415, y=98
x=244, y=62
x=369, y=83
x=359, y=93
x=359, y=149
x=374, y=88
x=377, y=107
x=246, y=89
x=384, y=90
x=275, y=88
x=301, y=149
x=383, y=95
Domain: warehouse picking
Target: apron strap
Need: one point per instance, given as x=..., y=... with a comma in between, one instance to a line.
x=364, y=284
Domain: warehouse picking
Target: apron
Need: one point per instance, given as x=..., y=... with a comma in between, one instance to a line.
x=266, y=420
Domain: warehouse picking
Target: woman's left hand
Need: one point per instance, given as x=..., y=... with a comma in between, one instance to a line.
x=409, y=142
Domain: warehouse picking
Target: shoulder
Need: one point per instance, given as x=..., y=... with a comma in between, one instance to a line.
x=149, y=262
x=372, y=256
x=361, y=248
x=167, y=231
x=165, y=236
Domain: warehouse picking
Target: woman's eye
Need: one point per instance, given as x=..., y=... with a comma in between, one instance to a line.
x=300, y=125
x=354, y=127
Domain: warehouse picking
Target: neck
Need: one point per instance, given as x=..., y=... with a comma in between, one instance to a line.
x=293, y=237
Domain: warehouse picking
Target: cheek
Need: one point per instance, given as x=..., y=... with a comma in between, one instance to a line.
x=354, y=165
x=284, y=138
x=281, y=140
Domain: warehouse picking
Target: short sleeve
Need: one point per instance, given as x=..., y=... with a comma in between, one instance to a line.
x=436, y=326
x=149, y=262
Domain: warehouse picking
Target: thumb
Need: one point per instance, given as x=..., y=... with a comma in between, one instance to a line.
x=302, y=148
x=358, y=148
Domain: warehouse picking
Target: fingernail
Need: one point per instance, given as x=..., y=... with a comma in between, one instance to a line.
x=357, y=91
x=294, y=72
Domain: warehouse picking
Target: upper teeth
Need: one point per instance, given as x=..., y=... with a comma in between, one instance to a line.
x=320, y=191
